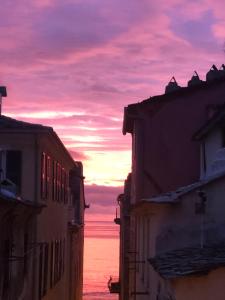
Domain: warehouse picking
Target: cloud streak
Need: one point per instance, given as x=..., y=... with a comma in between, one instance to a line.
x=75, y=64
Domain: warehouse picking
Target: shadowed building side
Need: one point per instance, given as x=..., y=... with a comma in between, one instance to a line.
x=35, y=161
x=168, y=167
x=126, y=253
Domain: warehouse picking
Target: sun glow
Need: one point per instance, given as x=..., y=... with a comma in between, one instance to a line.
x=107, y=168
x=83, y=138
x=44, y=114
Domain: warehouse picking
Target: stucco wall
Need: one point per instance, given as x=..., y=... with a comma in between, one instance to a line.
x=181, y=226
x=206, y=287
x=52, y=223
x=167, y=151
x=174, y=226
x=148, y=223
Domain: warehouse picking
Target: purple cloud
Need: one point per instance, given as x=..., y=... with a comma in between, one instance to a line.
x=92, y=58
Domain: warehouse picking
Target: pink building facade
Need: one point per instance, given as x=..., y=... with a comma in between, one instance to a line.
x=167, y=171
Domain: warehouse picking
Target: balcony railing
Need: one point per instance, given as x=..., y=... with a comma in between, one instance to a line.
x=117, y=219
x=113, y=286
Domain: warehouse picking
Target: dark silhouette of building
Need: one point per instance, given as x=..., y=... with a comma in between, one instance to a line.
x=165, y=209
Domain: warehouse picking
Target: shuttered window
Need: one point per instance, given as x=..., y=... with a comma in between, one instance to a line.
x=14, y=167
x=45, y=175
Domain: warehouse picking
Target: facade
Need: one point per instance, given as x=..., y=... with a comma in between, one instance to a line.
x=172, y=176
x=37, y=164
x=16, y=223
x=122, y=287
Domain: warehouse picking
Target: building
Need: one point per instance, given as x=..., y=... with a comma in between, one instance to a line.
x=43, y=174
x=121, y=287
x=16, y=240
x=190, y=259
x=166, y=212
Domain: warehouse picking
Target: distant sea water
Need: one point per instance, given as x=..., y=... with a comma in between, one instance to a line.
x=101, y=259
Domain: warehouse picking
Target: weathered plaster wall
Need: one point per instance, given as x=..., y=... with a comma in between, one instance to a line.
x=181, y=226
x=206, y=287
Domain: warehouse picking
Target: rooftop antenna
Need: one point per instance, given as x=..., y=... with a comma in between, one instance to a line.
x=3, y=93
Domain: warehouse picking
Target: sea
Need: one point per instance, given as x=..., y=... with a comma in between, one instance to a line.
x=101, y=259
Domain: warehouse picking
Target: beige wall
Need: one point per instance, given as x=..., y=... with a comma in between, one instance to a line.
x=205, y=287
x=52, y=223
x=174, y=226
x=148, y=223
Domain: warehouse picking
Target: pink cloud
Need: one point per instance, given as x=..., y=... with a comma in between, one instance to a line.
x=102, y=200
x=92, y=58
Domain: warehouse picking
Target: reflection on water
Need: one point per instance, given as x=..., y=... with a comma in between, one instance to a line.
x=101, y=259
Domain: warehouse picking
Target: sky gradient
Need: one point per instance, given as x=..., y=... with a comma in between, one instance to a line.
x=75, y=64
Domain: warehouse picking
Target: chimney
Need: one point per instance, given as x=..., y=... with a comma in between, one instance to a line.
x=213, y=74
x=195, y=80
x=3, y=93
x=222, y=70
x=172, y=86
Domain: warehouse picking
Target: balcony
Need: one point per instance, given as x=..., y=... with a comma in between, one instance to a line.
x=117, y=219
x=113, y=286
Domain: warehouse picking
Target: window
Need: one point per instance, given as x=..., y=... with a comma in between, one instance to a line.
x=7, y=247
x=66, y=187
x=40, y=271
x=52, y=265
x=57, y=263
x=45, y=277
x=60, y=259
x=54, y=180
x=11, y=165
x=25, y=243
x=60, y=183
x=63, y=253
x=45, y=175
x=48, y=174
x=63, y=184
x=43, y=269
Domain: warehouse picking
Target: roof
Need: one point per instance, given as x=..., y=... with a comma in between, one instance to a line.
x=217, y=120
x=10, y=123
x=130, y=112
x=175, y=196
x=189, y=261
x=7, y=123
x=9, y=198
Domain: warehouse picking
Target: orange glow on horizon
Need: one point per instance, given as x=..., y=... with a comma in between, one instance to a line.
x=107, y=168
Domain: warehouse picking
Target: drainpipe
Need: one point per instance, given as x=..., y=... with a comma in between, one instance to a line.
x=200, y=208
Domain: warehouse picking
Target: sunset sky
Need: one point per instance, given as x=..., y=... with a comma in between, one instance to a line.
x=75, y=64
